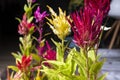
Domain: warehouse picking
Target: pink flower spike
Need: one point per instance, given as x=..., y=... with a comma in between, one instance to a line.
x=24, y=26
x=50, y=54
x=24, y=63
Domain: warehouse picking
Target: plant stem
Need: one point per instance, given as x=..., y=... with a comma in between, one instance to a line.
x=62, y=48
x=87, y=64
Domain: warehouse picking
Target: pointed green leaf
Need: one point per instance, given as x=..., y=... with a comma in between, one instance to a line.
x=71, y=63
x=60, y=53
x=57, y=63
x=91, y=54
x=16, y=56
x=18, y=19
x=96, y=67
x=21, y=48
x=14, y=68
x=30, y=19
x=102, y=77
x=25, y=8
x=34, y=5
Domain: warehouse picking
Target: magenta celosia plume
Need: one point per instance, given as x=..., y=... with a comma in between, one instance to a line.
x=46, y=52
x=102, y=5
x=87, y=23
x=50, y=54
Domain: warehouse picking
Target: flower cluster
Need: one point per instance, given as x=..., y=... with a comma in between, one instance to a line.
x=88, y=22
x=59, y=24
x=38, y=60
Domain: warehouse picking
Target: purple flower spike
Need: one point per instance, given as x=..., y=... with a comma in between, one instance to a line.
x=40, y=16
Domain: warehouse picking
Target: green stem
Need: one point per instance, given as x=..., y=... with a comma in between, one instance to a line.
x=25, y=76
x=62, y=48
x=96, y=49
x=87, y=63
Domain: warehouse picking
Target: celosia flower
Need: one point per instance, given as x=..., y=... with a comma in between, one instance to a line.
x=102, y=5
x=46, y=52
x=24, y=27
x=59, y=24
x=39, y=16
x=50, y=54
x=24, y=63
x=86, y=27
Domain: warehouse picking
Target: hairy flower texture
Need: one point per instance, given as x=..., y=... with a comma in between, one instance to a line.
x=24, y=27
x=59, y=24
x=24, y=63
x=102, y=5
x=86, y=27
x=40, y=16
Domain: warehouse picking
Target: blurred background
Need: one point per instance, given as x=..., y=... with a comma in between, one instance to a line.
x=9, y=37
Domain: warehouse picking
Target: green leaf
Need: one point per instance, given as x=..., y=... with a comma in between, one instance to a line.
x=17, y=56
x=60, y=53
x=81, y=71
x=31, y=30
x=30, y=19
x=25, y=8
x=28, y=12
x=14, y=68
x=21, y=40
x=91, y=54
x=80, y=59
x=34, y=5
x=21, y=48
x=36, y=57
x=51, y=73
x=56, y=63
x=96, y=67
x=18, y=19
x=70, y=62
x=102, y=77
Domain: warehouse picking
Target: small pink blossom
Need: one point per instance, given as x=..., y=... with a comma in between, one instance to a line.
x=24, y=26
